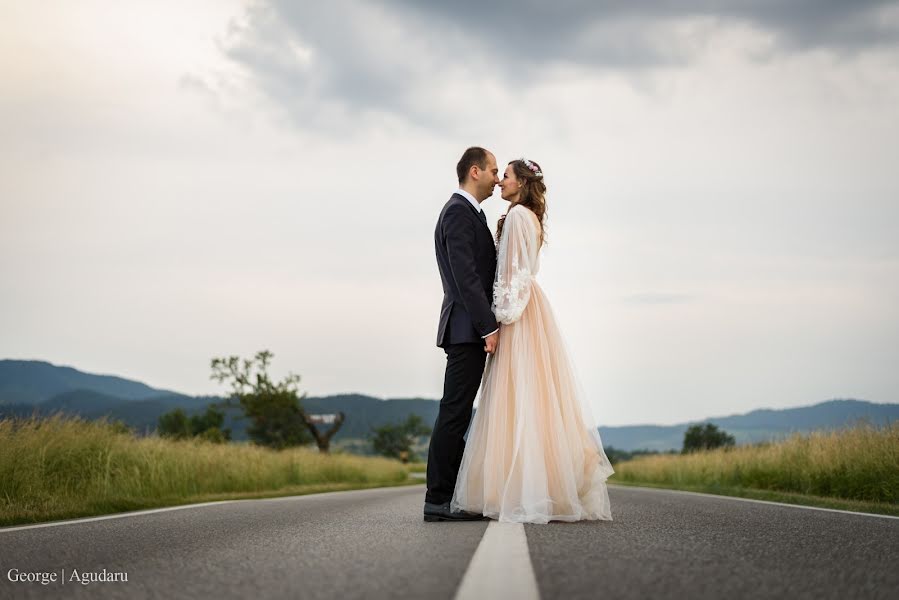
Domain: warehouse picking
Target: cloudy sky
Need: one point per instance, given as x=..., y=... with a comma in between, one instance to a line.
x=180, y=181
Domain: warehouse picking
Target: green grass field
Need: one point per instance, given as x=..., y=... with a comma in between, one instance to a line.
x=64, y=468
x=855, y=469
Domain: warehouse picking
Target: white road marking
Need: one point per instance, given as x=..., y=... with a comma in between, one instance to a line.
x=150, y=511
x=501, y=566
x=135, y=513
x=722, y=496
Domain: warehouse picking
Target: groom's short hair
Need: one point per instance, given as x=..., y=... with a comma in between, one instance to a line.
x=473, y=156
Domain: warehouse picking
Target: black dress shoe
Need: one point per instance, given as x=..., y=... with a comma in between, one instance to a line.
x=442, y=512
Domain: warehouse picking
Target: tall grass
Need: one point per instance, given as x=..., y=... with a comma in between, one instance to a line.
x=62, y=467
x=857, y=463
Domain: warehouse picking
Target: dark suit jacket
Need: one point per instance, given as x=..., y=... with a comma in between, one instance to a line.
x=466, y=256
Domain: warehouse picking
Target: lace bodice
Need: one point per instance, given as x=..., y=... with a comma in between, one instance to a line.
x=517, y=263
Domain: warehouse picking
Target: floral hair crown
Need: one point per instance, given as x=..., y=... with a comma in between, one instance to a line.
x=532, y=166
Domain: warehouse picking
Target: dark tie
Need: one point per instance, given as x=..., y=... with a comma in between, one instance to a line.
x=483, y=217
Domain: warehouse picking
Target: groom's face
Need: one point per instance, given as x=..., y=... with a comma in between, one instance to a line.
x=488, y=178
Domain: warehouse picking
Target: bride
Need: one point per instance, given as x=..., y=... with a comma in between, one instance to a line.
x=533, y=453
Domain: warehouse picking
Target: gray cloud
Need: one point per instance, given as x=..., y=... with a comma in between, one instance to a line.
x=330, y=64
x=844, y=25
x=562, y=29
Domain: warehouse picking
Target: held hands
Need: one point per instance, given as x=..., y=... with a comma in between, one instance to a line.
x=490, y=342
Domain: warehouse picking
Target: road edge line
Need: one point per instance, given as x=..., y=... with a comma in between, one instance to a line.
x=149, y=511
x=724, y=496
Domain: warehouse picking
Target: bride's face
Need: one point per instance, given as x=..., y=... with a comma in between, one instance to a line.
x=510, y=187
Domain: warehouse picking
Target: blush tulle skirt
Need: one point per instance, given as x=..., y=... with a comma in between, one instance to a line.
x=533, y=453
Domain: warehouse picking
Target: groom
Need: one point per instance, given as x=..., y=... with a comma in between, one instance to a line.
x=468, y=331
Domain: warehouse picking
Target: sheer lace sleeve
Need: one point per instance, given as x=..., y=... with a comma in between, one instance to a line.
x=514, y=268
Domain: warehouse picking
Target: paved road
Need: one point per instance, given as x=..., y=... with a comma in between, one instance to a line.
x=374, y=544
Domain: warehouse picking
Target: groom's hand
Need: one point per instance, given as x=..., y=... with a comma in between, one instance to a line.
x=490, y=342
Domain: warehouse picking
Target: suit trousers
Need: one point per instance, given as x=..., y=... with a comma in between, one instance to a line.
x=464, y=369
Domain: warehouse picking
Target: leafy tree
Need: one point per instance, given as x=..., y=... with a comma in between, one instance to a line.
x=174, y=424
x=395, y=440
x=277, y=419
x=705, y=437
x=208, y=425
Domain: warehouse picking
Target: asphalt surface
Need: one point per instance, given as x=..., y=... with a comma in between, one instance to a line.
x=669, y=544
x=373, y=544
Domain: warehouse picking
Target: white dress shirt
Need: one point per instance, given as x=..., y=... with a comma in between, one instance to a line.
x=470, y=198
x=477, y=206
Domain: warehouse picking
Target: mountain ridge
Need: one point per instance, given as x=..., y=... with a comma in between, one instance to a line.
x=34, y=381
x=143, y=405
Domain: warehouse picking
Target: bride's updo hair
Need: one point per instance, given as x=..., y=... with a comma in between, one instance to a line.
x=533, y=193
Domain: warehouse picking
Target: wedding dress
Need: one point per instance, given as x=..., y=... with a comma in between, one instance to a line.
x=533, y=453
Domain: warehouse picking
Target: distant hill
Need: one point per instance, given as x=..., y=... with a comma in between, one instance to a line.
x=35, y=381
x=362, y=412
x=27, y=387
x=755, y=426
x=143, y=415
x=365, y=412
